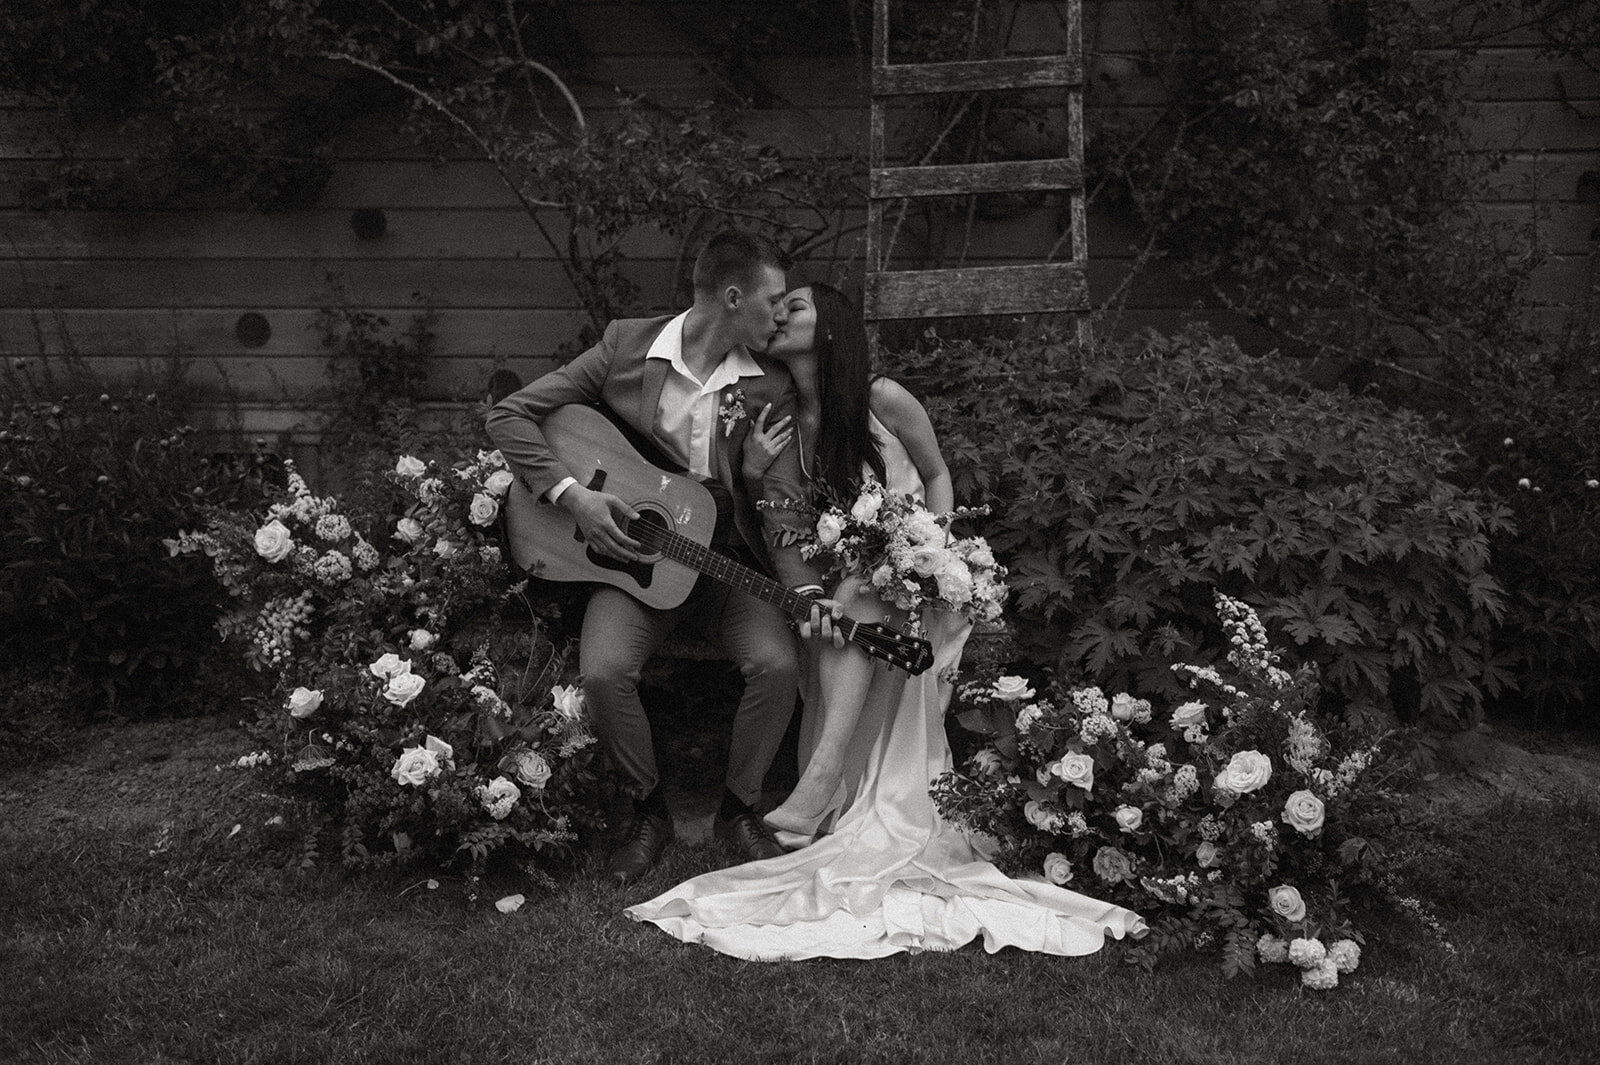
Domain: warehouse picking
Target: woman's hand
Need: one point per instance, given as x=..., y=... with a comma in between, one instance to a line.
x=766, y=442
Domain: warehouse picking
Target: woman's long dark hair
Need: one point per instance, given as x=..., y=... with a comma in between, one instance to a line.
x=844, y=385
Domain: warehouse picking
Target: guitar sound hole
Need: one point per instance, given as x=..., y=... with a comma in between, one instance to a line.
x=648, y=528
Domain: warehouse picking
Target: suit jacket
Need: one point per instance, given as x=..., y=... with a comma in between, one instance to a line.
x=616, y=373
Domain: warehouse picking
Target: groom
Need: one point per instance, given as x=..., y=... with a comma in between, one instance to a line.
x=689, y=385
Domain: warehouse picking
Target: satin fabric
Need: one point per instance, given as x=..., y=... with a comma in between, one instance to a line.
x=892, y=875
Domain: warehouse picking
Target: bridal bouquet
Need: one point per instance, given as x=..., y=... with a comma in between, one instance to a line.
x=907, y=554
x=1237, y=819
x=416, y=704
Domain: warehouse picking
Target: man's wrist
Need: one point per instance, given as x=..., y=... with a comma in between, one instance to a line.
x=810, y=591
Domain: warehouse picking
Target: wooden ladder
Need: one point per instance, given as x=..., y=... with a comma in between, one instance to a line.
x=1028, y=288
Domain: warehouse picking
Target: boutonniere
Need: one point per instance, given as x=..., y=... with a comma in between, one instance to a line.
x=732, y=411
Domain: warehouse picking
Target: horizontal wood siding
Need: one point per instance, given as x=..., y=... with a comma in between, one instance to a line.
x=118, y=287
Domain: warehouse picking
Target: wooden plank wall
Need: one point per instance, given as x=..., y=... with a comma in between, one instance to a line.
x=120, y=286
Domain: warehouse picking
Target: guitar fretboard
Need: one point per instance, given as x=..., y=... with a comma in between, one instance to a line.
x=725, y=570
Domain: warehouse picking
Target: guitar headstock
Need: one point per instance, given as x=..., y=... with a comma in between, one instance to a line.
x=910, y=653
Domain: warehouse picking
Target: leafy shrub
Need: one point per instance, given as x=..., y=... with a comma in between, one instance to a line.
x=416, y=709
x=1532, y=434
x=88, y=485
x=1131, y=480
x=1236, y=818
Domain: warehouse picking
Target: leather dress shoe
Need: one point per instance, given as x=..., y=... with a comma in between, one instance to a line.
x=748, y=835
x=646, y=839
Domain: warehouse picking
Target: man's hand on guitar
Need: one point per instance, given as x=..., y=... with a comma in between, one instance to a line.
x=600, y=517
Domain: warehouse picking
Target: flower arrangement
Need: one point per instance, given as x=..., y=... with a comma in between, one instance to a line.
x=907, y=554
x=1236, y=818
x=416, y=702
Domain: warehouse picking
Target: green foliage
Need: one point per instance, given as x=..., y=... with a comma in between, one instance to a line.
x=88, y=485
x=1532, y=437
x=1314, y=171
x=1139, y=476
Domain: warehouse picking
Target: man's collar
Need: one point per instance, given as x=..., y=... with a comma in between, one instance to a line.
x=737, y=363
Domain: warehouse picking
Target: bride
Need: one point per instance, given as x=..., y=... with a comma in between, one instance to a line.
x=876, y=869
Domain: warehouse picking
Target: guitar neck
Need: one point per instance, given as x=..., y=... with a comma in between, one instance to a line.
x=735, y=575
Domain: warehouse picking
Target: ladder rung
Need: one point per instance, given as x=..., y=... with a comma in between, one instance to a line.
x=981, y=75
x=974, y=290
x=960, y=179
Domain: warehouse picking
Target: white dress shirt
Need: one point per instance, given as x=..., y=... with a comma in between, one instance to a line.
x=686, y=416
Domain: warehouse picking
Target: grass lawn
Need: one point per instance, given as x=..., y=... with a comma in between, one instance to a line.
x=134, y=929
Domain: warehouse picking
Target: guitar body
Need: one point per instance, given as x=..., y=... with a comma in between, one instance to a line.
x=677, y=518
x=544, y=539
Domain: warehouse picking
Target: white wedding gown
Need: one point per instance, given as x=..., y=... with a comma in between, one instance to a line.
x=893, y=875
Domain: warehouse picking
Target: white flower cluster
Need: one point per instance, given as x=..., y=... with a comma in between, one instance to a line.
x=280, y=623
x=1096, y=727
x=1090, y=701
x=1251, y=651
x=1320, y=965
x=253, y=759
x=905, y=553
x=1304, y=744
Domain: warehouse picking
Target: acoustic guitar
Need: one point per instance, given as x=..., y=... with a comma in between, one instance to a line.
x=677, y=516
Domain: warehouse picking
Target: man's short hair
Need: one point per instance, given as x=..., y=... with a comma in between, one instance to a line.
x=734, y=258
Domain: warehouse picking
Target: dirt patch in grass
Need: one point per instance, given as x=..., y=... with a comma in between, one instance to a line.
x=1482, y=767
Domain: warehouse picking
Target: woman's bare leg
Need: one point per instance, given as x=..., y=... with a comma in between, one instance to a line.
x=844, y=675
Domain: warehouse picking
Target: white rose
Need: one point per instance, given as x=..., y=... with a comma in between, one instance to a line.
x=1128, y=818
x=1304, y=812
x=497, y=482
x=1207, y=854
x=1286, y=902
x=829, y=529
x=409, y=466
x=273, y=541
x=1189, y=715
x=1057, y=869
x=492, y=459
x=389, y=665
x=568, y=700
x=422, y=639
x=409, y=529
x=1123, y=706
x=431, y=490
x=866, y=506
x=403, y=687
x=531, y=768
x=882, y=576
x=1011, y=689
x=415, y=766
x=303, y=702
x=498, y=797
x=955, y=582
x=926, y=560
x=1245, y=772
x=446, y=548
x=1037, y=815
x=484, y=509
x=1075, y=769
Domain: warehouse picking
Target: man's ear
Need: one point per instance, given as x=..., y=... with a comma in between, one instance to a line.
x=731, y=298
